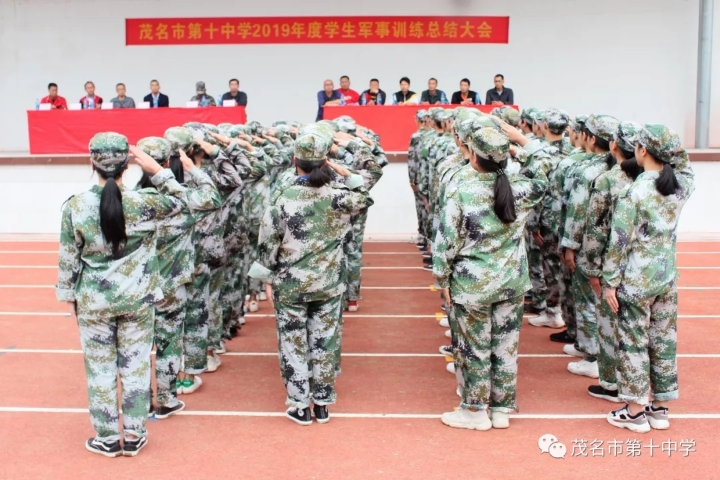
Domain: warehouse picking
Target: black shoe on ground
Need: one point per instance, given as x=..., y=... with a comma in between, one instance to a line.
x=133, y=447
x=599, y=392
x=427, y=261
x=532, y=309
x=446, y=350
x=151, y=411
x=301, y=416
x=109, y=449
x=165, y=412
x=561, y=337
x=322, y=414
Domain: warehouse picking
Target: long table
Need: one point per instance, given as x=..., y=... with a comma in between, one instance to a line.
x=70, y=131
x=394, y=123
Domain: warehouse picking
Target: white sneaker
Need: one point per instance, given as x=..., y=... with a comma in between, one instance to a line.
x=221, y=349
x=262, y=297
x=196, y=383
x=253, y=306
x=448, y=333
x=353, y=306
x=570, y=349
x=464, y=418
x=212, y=363
x=444, y=322
x=450, y=367
x=547, y=319
x=459, y=391
x=584, y=368
x=241, y=320
x=500, y=419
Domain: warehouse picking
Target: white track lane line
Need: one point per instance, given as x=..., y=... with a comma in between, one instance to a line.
x=55, y=252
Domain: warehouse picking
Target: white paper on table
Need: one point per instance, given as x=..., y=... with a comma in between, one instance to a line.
x=107, y=106
x=143, y=105
x=229, y=103
x=74, y=106
x=193, y=104
x=45, y=106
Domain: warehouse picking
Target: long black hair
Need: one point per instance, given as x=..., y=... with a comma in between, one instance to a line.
x=504, y=202
x=318, y=176
x=667, y=183
x=176, y=168
x=112, y=216
x=629, y=165
x=603, y=145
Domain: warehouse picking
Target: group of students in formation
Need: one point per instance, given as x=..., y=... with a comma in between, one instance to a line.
x=223, y=217
x=572, y=219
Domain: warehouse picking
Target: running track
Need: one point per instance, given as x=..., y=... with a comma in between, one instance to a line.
x=393, y=388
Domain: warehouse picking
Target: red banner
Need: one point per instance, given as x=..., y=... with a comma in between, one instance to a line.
x=256, y=30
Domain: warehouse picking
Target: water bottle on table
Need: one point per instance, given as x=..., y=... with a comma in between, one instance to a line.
x=37, y=104
x=90, y=103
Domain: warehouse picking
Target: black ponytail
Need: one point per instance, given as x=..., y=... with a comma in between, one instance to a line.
x=667, y=183
x=602, y=145
x=630, y=165
x=317, y=176
x=112, y=217
x=504, y=205
x=176, y=167
x=145, y=181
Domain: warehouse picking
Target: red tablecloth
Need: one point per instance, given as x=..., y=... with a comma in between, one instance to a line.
x=394, y=123
x=70, y=131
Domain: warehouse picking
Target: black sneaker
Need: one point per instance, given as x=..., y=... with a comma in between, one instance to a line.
x=561, y=337
x=427, y=261
x=108, y=449
x=446, y=350
x=322, y=414
x=133, y=447
x=599, y=392
x=165, y=412
x=301, y=416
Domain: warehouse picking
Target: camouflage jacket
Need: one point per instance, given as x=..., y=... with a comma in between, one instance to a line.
x=301, y=239
x=210, y=101
x=365, y=162
x=603, y=196
x=582, y=178
x=416, y=142
x=640, y=257
x=544, y=155
x=89, y=275
x=560, y=189
x=479, y=258
x=253, y=170
x=175, y=250
x=427, y=149
x=437, y=153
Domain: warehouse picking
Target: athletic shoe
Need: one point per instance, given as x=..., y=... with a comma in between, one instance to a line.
x=448, y=333
x=450, y=367
x=190, y=386
x=584, y=368
x=107, y=449
x=547, y=319
x=179, y=387
x=444, y=322
x=253, y=306
x=623, y=419
x=599, y=392
x=500, y=419
x=572, y=351
x=426, y=255
x=529, y=308
x=321, y=413
x=446, y=350
x=301, y=416
x=212, y=363
x=353, y=306
x=561, y=337
x=458, y=391
x=429, y=268
x=151, y=410
x=241, y=320
x=427, y=260
x=464, y=418
x=221, y=349
x=165, y=412
x=443, y=307
x=133, y=447
x=657, y=417
x=262, y=296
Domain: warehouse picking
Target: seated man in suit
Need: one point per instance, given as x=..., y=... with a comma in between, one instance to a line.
x=499, y=95
x=465, y=96
x=156, y=99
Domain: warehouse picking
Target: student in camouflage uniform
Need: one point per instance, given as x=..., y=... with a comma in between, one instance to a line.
x=527, y=118
x=301, y=263
x=176, y=259
x=437, y=151
x=108, y=273
x=599, y=130
x=640, y=276
x=480, y=263
x=603, y=197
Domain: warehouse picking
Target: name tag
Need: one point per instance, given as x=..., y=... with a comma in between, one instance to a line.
x=74, y=106
x=229, y=103
x=193, y=104
x=45, y=106
x=143, y=105
x=107, y=106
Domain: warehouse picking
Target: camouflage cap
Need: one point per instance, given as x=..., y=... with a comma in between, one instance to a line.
x=463, y=114
x=539, y=116
x=200, y=87
x=603, y=126
x=556, y=120
x=158, y=148
x=223, y=126
x=661, y=142
x=347, y=126
x=321, y=129
x=282, y=129
x=528, y=115
x=345, y=118
x=241, y=128
x=179, y=138
x=441, y=115
x=256, y=126
x=332, y=124
x=578, y=123
x=422, y=115
x=488, y=143
x=510, y=116
x=626, y=135
x=295, y=123
x=279, y=122
x=197, y=129
x=312, y=147
x=372, y=136
x=109, y=152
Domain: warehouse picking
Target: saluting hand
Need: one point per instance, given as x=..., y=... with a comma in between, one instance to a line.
x=208, y=147
x=145, y=161
x=342, y=171
x=185, y=160
x=224, y=139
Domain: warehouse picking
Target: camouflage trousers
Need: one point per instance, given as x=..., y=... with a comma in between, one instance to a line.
x=452, y=320
x=538, y=293
x=231, y=295
x=647, y=347
x=487, y=353
x=552, y=272
x=195, y=337
x=253, y=285
x=607, y=344
x=421, y=214
x=169, y=321
x=112, y=346
x=353, y=257
x=215, y=308
x=308, y=344
x=567, y=301
x=584, y=300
